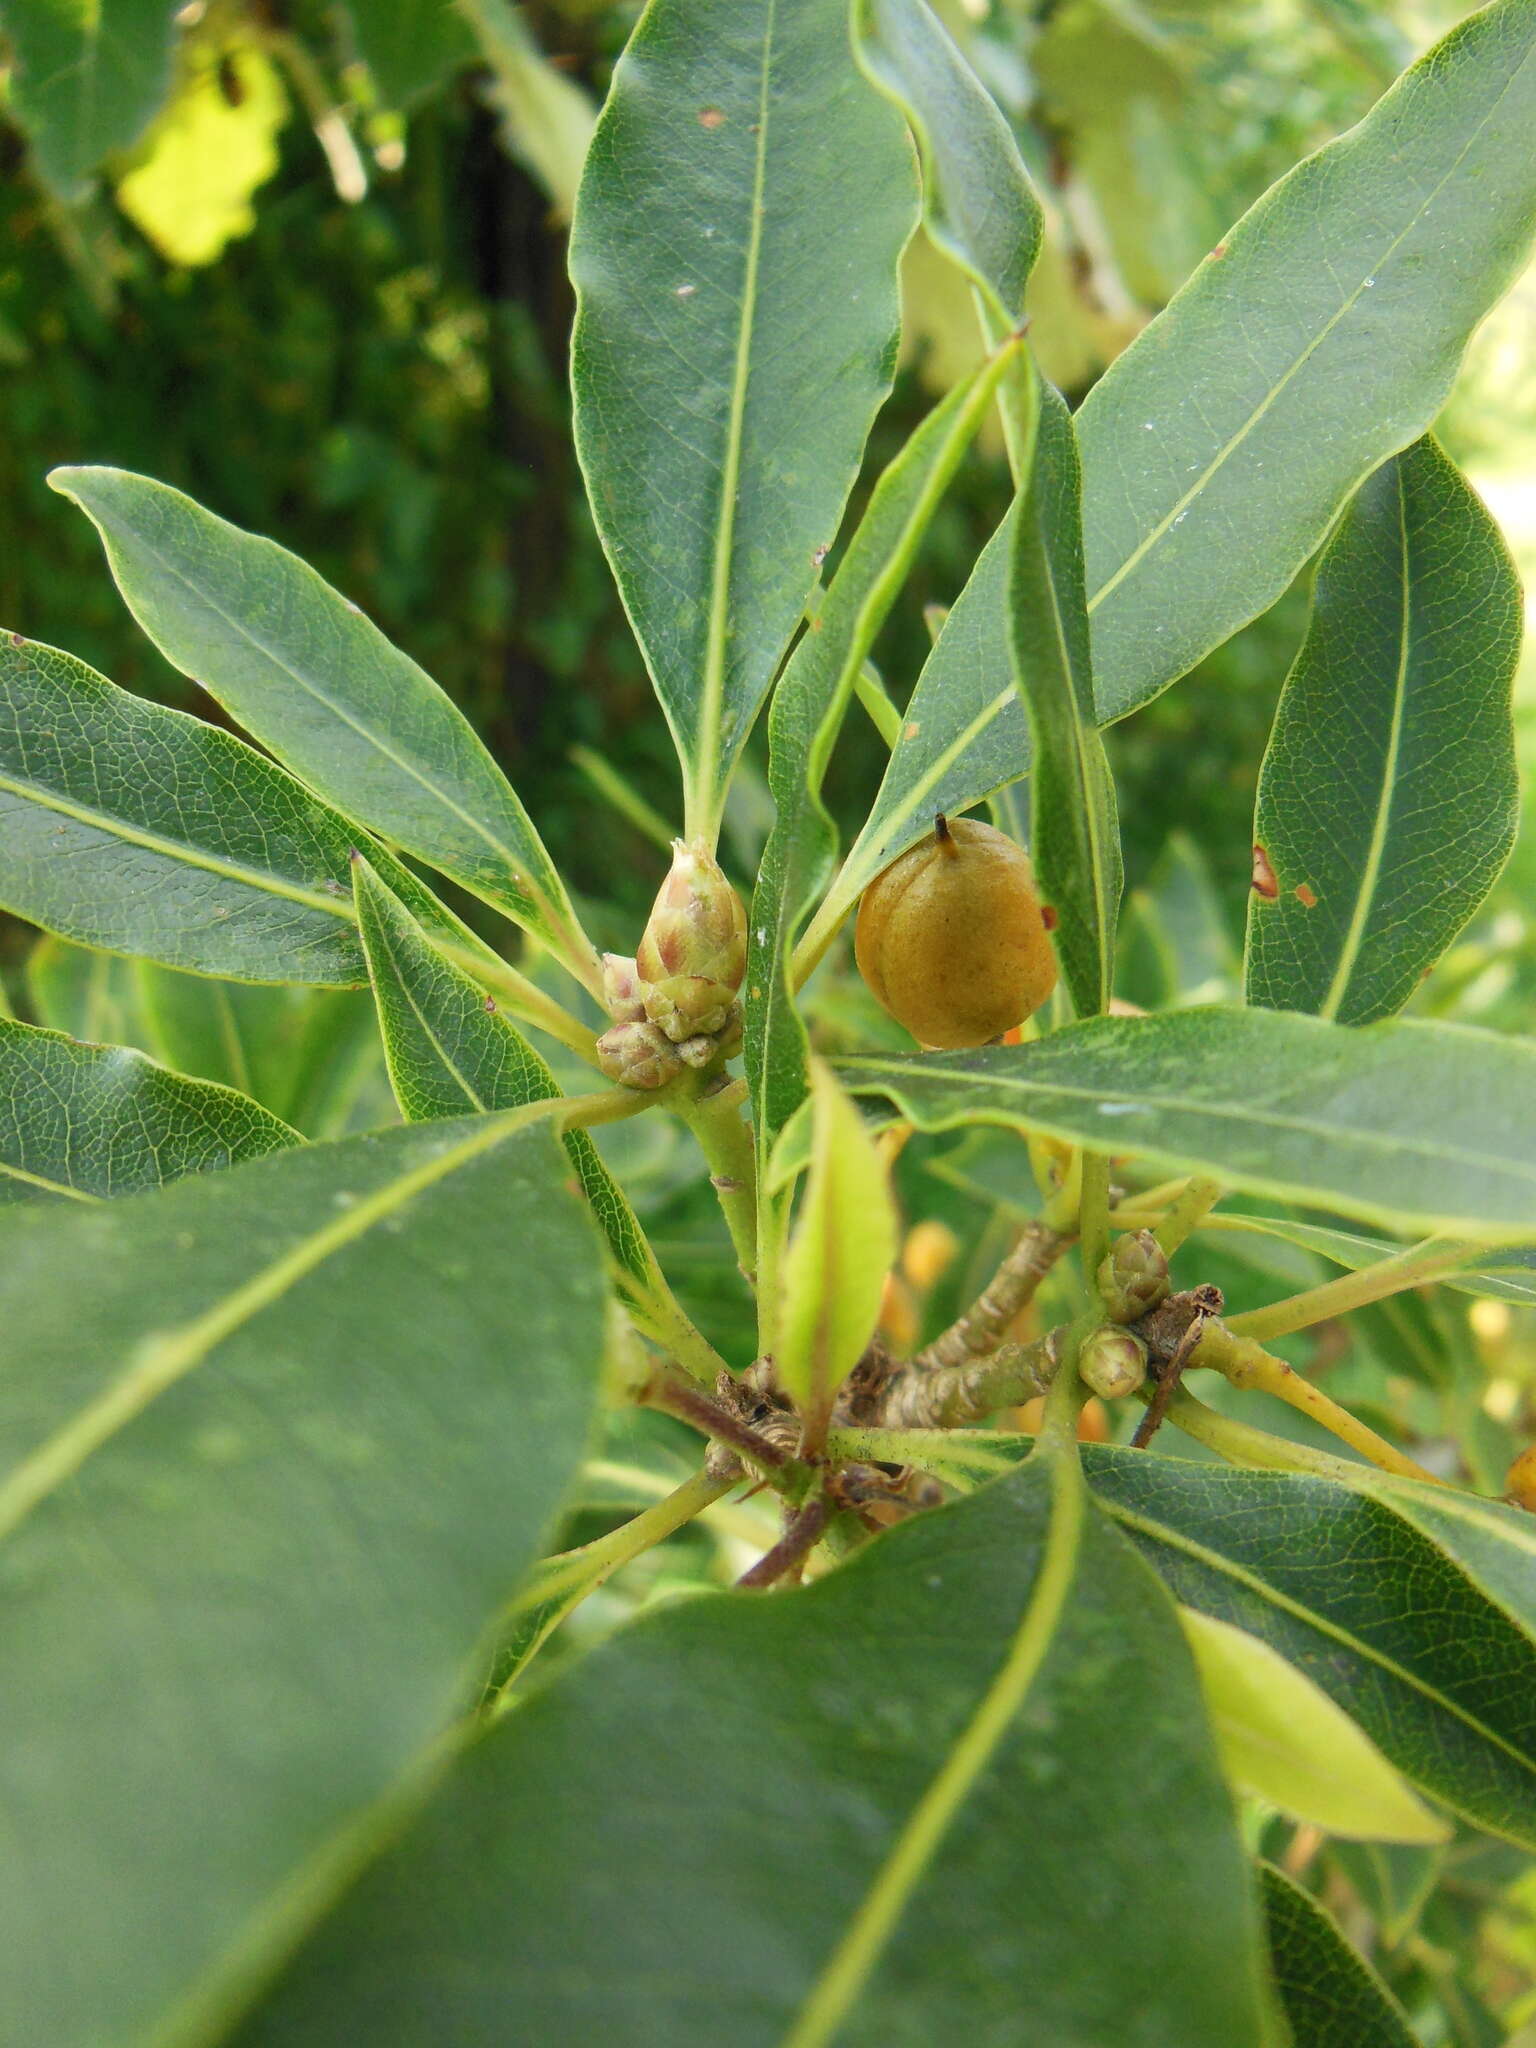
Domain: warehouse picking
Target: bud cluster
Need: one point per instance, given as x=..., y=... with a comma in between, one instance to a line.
x=675, y=1004
x=1112, y=1362
x=1134, y=1277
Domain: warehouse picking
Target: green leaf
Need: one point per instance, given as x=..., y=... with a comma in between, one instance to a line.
x=409, y=45
x=1393, y=1882
x=965, y=734
x=835, y=1270
x=450, y=1050
x=1282, y=1739
x=807, y=712
x=129, y=826
x=980, y=207
x=1503, y=1273
x=1375, y=1610
x=874, y=1810
x=191, y=191
x=86, y=80
x=276, y=1446
x=86, y=994
x=96, y=1120
x=1332, y=1997
x=547, y=117
x=1388, y=799
x=308, y=1054
x=313, y=680
x=1190, y=913
x=1074, y=830
x=1285, y=1106
x=714, y=308
x=1322, y=336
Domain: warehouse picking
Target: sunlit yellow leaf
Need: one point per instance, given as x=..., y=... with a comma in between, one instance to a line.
x=190, y=192
x=1284, y=1740
x=843, y=1247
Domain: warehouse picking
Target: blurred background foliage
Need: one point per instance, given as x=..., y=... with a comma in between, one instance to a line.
x=305, y=259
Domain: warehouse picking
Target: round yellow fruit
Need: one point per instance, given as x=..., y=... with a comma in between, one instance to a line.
x=952, y=938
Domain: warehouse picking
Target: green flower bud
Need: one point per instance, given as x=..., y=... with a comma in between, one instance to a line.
x=638, y=1056
x=1134, y=1277
x=1112, y=1362
x=693, y=951
x=621, y=989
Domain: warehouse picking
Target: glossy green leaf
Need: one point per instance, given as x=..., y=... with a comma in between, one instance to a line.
x=450, y=1051
x=97, y=1120
x=1319, y=338
x=87, y=80
x=808, y=709
x=980, y=207
x=1331, y=1995
x=872, y=1811
x=1282, y=1739
x=1286, y=1106
x=965, y=733
x=714, y=308
x=276, y=1446
x=844, y=1245
x=1388, y=800
x=1075, y=833
x=1494, y=1544
x=1366, y=1602
x=129, y=826
x=303, y=671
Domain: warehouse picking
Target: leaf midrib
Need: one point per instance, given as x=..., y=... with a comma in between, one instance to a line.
x=1231, y=1113
x=1365, y=895
x=263, y=881
x=701, y=796
x=1229, y=448
x=854, y=1958
x=160, y=1362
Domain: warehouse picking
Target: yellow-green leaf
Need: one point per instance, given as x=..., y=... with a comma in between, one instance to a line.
x=842, y=1249
x=1283, y=1739
x=190, y=192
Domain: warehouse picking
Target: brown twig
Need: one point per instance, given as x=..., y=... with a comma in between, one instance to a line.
x=711, y=1417
x=983, y=1326
x=1171, y=1332
x=949, y=1397
x=802, y=1529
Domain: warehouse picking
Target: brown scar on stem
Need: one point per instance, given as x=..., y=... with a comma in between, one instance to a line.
x=1306, y=895
x=1048, y=916
x=1264, y=882
x=710, y=117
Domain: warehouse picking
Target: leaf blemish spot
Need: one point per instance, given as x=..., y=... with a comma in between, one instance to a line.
x=1306, y=895
x=685, y=291
x=1218, y=252
x=911, y=730
x=1048, y=916
x=1264, y=883
x=711, y=118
